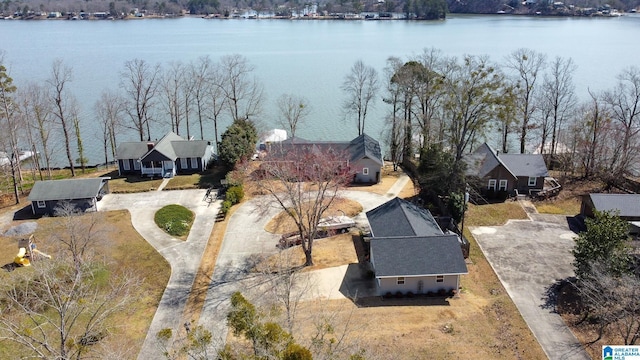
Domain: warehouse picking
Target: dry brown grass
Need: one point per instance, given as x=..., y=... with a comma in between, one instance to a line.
x=282, y=223
x=388, y=178
x=493, y=214
x=125, y=249
x=482, y=323
x=328, y=252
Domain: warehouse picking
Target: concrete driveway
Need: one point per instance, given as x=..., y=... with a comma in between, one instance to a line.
x=183, y=256
x=245, y=237
x=529, y=256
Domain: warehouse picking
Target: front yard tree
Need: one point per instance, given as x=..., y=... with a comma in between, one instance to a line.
x=293, y=111
x=604, y=241
x=361, y=87
x=558, y=98
x=304, y=182
x=38, y=112
x=238, y=142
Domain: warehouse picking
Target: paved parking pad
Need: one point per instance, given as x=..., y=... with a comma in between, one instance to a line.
x=529, y=257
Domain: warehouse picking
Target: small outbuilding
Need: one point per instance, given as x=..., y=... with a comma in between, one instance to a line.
x=47, y=196
x=627, y=206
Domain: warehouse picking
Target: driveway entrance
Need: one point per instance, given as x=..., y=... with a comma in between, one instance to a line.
x=529, y=257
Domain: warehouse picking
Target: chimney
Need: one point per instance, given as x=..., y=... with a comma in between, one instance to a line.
x=149, y=146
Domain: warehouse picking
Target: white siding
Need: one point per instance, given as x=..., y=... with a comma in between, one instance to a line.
x=411, y=284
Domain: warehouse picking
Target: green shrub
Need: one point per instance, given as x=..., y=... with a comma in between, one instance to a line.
x=175, y=220
x=226, y=205
x=235, y=194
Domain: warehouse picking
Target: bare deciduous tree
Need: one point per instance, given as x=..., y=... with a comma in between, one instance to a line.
x=393, y=97
x=293, y=111
x=558, y=100
x=61, y=75
x=38, y=113
x=140, y=83
x=360, y=86
x=527, y=65
x=199, y=73
x=62, y=308
x=109, y=111
x=304, y=181
x=244, y=94
x=623, y=103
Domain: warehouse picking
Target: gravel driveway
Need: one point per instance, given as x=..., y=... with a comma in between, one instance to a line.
x=529, y=257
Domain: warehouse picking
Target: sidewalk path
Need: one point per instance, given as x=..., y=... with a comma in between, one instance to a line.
x=397, y=187
x=183, y=256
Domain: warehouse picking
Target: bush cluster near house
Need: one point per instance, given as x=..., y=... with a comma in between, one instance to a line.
x=175, y=220
x=233, y=196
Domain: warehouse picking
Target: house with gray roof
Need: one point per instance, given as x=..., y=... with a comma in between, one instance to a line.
x=410, y=253
x=509, y=174
x=167, y=157
x=362, y=154
x=47, y=196
x=627, y=206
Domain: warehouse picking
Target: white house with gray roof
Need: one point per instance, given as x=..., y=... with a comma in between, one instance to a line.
x=627, y=206
x=167, y=157
x=410, y=253
x=47, y=196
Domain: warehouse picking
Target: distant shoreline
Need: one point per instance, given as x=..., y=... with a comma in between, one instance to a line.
x=364, y=16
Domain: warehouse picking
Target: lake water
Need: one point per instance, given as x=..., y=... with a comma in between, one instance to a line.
x=309, y=58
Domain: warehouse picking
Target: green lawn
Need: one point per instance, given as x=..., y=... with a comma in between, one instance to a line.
x=175, y=220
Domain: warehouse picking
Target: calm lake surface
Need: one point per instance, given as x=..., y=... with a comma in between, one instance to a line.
x=309, y=58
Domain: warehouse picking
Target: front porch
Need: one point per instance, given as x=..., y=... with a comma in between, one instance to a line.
x=164, y=169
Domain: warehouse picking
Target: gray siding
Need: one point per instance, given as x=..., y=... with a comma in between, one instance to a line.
x=374, y=171
x=83, y=205
x=411, y=284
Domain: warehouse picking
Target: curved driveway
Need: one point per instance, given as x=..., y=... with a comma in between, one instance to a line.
x=183, y=256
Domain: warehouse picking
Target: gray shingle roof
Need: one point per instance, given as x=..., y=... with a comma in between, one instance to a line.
x=163, y=149
x=361, y=147
x=482, y=161
x=69, y=189
x=170, y=147
x=531, y=165
x=414, y=256
x=131, y=150
x=627, y=204
x=189, y=149
x=364, y=146
x=398, y=217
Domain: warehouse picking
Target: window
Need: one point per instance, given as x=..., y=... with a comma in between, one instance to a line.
x=492, y=184
x=440, y=278
x=136, y=165
x=401, y=281
x=365, y=171
x=194, y=163
x=532, y=181
x=125, y=164
x=41, y=204
x=503, y=185
x=183, y=163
